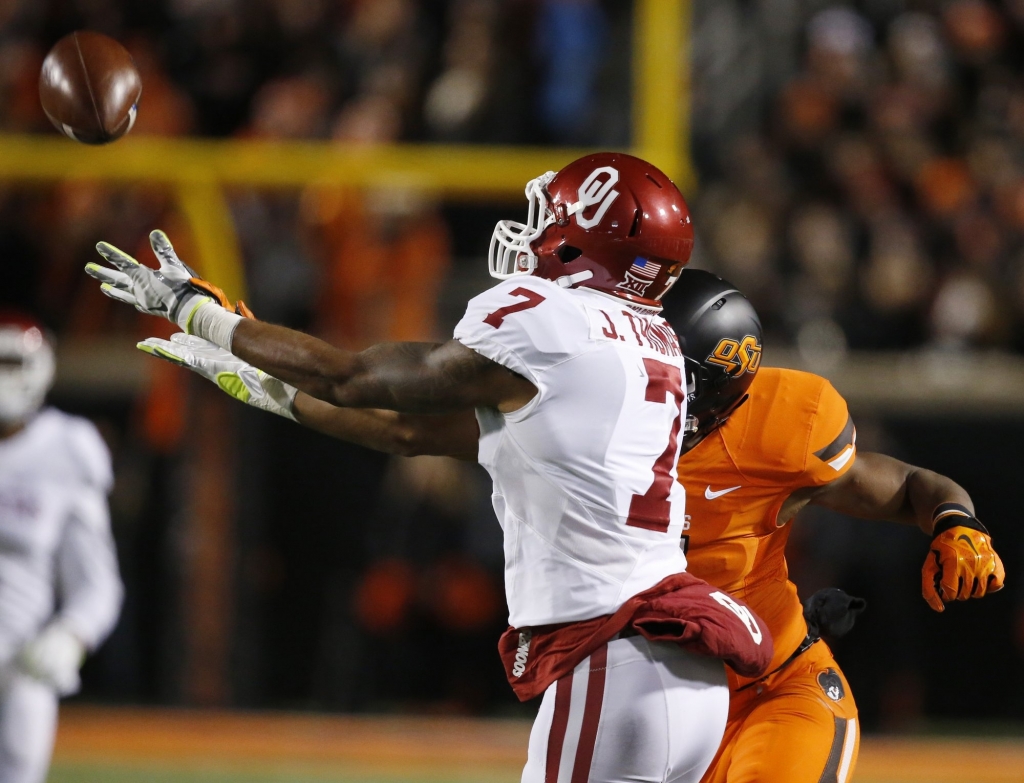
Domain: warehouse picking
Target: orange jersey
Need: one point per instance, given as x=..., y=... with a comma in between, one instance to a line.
x=794, y=431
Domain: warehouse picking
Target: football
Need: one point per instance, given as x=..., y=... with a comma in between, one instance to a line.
x=89, y=87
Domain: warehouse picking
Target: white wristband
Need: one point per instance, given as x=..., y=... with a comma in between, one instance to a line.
x=212, y=322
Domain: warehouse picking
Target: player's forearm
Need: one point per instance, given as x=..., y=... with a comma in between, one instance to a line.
x=926, y=490
x=880, y=487
x=452, y=435
x=302, y=360
x=428, y=378
x=387, y=375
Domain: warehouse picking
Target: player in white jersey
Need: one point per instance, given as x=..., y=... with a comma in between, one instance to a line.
x=577, y=385
x=60, y=592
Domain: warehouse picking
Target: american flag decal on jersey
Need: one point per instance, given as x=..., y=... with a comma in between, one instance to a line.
x=640, y=276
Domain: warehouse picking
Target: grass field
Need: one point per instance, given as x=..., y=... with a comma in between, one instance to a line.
x=105, y=745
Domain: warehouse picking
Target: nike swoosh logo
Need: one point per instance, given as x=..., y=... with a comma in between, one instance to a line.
x=967, y=538
x=712, y=495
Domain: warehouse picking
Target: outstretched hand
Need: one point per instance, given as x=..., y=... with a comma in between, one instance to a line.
x=167, y=291
x=173, y=291
x=234, y=377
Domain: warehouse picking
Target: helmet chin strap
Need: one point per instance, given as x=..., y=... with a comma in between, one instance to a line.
x=716, y=421
x=568, y=281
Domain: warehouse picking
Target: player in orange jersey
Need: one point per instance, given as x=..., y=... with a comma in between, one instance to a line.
x=759, y=445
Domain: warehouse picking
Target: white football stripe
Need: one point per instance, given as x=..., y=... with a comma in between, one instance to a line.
x=843, y=458
x=577, y=702
x=848, y=747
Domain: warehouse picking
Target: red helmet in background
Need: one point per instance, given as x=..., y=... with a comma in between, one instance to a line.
x=26, y=367
x=608, y=221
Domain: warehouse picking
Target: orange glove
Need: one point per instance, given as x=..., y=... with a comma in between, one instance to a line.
x=241, y=308
x=961, y=563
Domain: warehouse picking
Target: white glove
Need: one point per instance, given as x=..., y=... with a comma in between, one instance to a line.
x=235, y=377
x=166, y=292
x=54, y=658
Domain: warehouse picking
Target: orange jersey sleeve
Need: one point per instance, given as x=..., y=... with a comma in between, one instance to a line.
x=832, y=441
x=797, y=433
x=794, y=431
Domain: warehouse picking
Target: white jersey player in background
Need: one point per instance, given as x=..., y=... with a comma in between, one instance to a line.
x=577, y=385
x=60, y=592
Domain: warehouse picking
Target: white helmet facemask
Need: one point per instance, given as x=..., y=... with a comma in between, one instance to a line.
x=510, y=254
x=26, y=372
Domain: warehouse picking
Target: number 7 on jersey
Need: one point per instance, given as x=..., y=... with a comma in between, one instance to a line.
x=497, y=318
x=651, y=510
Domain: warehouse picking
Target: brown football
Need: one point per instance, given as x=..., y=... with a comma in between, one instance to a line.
x=90, y=88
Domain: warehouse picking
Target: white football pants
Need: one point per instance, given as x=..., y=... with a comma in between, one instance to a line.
x=633, y=712
x=28, y=720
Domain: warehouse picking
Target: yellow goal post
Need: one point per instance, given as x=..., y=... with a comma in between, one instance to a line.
x=198, y=169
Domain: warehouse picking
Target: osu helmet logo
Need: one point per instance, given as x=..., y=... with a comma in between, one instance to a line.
x=737, y=356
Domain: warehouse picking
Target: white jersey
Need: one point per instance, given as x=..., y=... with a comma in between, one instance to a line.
x=57, y=557
x=585, y=474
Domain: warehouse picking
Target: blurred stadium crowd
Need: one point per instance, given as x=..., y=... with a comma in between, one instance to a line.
x=863, y=167
x=862, y=180
x=352, y=70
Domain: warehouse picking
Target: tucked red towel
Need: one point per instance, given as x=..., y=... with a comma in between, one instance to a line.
x=680, y=609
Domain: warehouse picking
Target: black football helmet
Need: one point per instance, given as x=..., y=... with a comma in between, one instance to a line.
x=720, y=335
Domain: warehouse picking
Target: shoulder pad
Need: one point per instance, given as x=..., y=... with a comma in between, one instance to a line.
x=794, y=430
x=526, y=324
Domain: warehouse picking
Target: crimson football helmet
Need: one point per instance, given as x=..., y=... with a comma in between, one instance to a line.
x=26, y=367
x=608, y=221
